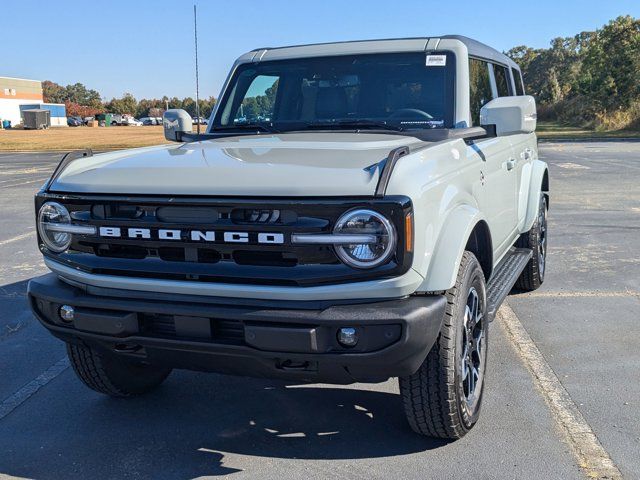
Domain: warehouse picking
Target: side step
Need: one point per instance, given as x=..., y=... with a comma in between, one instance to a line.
x=504, y=278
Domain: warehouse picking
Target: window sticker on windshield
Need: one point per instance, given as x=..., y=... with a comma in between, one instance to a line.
x=436, y=60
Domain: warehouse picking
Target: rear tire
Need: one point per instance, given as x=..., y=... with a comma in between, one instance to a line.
x=536, y=239
x=110, y=375
x=443, y=398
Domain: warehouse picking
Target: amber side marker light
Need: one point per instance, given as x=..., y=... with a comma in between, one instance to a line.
x=408, y=232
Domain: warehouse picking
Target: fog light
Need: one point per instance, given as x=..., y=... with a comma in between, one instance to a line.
x=67, y=313
x=348, y=337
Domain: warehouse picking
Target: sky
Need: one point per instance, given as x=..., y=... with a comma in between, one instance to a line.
x=147, y=47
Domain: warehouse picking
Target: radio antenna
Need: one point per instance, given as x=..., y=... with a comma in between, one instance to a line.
x=195, y=34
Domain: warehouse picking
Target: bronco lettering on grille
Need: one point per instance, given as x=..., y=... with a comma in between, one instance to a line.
x=193, y=235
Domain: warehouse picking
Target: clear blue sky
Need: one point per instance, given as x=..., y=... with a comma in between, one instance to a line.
x=146, y=47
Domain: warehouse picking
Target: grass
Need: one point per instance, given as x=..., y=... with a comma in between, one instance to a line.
x=75, y=138
x=115, y=138
x=551, y=130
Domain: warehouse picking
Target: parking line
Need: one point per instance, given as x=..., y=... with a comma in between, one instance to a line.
x=592, y=458
x=39, y=180
x=585, y=294
x=31, y=388
x=16, y=238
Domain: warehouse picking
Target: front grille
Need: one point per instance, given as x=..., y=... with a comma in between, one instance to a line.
x=210, y=256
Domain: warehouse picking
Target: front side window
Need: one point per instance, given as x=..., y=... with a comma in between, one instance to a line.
x=501, y=75
x=479, y=88
x=399, y=91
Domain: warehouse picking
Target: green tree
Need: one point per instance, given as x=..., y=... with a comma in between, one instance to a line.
x=127, y=104
x=53, y=93
x=589, y=79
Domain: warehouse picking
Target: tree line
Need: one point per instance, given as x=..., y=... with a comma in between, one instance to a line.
x=591, y=79
x=84, y=102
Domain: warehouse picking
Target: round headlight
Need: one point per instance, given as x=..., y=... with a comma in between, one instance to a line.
x=53, y=214
x=374, y=252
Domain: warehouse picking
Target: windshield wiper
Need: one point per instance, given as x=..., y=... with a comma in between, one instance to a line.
x=357, y=123
x=247, y=126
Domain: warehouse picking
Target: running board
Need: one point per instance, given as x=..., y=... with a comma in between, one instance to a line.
x=504, y=278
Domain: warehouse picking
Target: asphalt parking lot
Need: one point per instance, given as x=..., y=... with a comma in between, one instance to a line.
x=584, y=323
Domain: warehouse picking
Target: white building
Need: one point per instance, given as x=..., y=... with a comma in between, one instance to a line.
x=18, y=94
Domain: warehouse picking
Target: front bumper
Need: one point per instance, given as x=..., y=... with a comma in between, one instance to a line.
x=236, y=337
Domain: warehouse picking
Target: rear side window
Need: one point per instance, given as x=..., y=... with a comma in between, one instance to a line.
x=479, y=88
x=502, y=80
x=517, y=78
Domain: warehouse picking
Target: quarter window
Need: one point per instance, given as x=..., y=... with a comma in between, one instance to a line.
x=502, y=80
x=517, y=79
x=479, y=87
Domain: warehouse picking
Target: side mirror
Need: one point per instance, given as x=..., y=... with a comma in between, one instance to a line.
x=510, y=115
x=176, y=122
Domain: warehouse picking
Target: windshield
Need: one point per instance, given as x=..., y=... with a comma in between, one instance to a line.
x=398, y=91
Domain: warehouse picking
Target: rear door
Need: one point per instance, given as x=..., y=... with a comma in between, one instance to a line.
x=525, y=151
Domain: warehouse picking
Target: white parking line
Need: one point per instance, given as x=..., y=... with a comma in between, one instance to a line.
x=586, y=293
x=38, y=180
x=31, y=388
x=16, y=238
x=592, y=458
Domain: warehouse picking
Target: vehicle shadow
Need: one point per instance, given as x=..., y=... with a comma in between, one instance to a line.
x=203, y=424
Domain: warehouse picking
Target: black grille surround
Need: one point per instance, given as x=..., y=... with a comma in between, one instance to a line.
x=284, y=264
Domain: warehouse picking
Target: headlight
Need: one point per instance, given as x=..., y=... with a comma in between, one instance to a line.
x=52, y=218
x=366, y=222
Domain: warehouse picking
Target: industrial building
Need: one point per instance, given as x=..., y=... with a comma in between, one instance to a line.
x=18, y=94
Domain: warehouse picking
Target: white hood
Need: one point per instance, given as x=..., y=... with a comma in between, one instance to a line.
x=294, y=164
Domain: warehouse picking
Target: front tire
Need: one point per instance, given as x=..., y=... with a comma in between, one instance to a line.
x=443, y=398
x=108, y=374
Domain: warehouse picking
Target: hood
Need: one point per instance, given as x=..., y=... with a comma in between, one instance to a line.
x=293, y=164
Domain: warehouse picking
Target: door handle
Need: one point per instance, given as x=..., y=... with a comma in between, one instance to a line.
x=511, y=164
x=528, y=153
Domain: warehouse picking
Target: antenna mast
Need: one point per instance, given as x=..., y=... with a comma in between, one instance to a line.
x=195, y=32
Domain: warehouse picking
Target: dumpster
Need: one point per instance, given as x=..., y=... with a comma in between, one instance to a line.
x=36, y=119
x=104, y=119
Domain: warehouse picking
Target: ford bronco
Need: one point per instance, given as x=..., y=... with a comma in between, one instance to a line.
x=353, y=212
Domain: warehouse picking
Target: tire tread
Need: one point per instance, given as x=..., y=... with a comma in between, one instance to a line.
x=429, y=395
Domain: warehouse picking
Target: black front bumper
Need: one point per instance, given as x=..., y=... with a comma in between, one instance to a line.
x=298, y=344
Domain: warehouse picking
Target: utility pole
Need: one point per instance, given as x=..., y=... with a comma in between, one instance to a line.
x=195, y=32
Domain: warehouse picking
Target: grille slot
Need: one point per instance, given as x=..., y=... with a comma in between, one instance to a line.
x=228, y=331
x=222, y=331
x=159, y=324
x=171, y=254
x=266, y=259
x=120, y=251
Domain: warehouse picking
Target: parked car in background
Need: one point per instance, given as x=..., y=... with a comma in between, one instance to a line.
x=75, y=121
x=200, y=120
x=125, y=119
x=151, y=120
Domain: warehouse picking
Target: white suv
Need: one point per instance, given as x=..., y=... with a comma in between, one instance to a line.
x=354, y=212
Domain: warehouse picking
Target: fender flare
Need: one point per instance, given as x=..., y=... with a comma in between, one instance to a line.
x=539, y=176
x=447, y=254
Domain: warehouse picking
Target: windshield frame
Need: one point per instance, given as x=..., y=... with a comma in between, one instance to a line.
x=284, y=126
